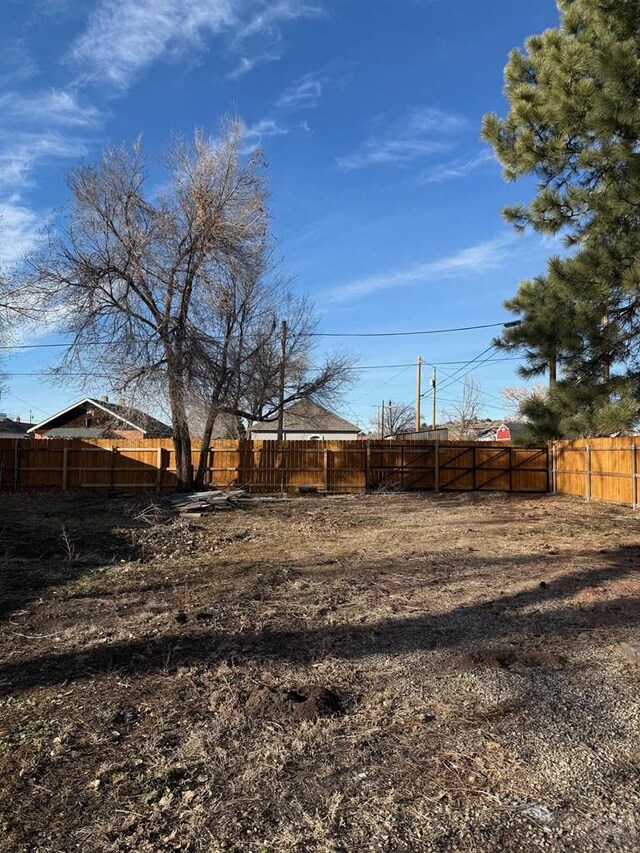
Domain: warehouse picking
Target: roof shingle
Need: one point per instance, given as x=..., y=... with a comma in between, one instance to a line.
x=307, y=416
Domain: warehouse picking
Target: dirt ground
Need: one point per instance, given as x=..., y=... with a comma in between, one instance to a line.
x=373, y=673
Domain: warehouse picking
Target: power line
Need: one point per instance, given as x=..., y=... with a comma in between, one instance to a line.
x=403, y=334
x=311, y=334
x=25, y=402
x=488, y=360
x=454, y=377
x=356, y=369
x=391, y=378
x=474, y=364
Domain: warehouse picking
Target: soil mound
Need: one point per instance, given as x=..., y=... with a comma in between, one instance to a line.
x=508, y=658
x=301, y=703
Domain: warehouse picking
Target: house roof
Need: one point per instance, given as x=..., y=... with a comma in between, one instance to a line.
x=307, y=416
x=132, y=417
x=78, y=432
x=516, y=428
x=11, y=427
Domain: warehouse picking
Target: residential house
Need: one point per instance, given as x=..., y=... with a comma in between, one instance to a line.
x=307, y=420
x=437, y=434
x=99, y=418
x=501, y=431
x=13, y=428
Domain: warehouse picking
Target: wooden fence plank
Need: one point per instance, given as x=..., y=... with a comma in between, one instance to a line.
x=269, y=466
x=599, y=469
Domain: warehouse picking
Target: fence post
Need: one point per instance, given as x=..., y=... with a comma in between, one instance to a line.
x=284, y=463
x=158, y=469
x=634, y=474
x=17, y=461
x=588, y=472
x=402, y=465
x=326, y=470
x=367, y=470
x=511, y=469
x=473, y=462
x=554, y=468
x=65, y=462
x=436, y=471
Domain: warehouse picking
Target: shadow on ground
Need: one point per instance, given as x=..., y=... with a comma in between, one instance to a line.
x=49, y=543
x=541, y=611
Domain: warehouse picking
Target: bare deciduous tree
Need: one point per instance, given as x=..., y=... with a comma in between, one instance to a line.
x=174, y=294
x=4, y=329
x=396, y=417
x=516, y=396
x=465, y=413
x=15, y=307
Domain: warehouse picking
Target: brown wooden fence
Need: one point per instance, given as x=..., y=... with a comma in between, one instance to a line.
x=599, y=469
x=268, y=466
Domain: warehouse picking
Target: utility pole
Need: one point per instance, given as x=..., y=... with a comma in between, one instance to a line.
x=390, y=425
x=283, y=351
x=418, y=388
x=433, y=401
x=382, y=420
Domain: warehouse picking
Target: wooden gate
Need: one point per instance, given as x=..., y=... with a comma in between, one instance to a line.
x=460, y=467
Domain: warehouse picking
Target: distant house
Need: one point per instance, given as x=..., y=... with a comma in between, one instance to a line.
x=501, y=431
x=13, y=429
x=437, y=434
x=227, y=426
x=307, y=420
x=99, y=418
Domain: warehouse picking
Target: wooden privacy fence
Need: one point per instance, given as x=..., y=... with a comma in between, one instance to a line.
x=599, y=469
x=268, y=466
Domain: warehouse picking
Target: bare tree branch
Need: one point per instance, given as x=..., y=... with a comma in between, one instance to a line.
x=178, y=295
x=465, y=413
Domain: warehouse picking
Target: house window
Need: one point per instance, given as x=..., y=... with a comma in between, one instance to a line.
x=315, y=438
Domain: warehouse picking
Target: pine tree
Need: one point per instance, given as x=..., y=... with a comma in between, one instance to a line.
x=574, y=125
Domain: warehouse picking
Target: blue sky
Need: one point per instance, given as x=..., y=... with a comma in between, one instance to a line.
x=386, y=204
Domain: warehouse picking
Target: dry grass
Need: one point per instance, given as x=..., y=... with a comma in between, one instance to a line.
x=471, y=640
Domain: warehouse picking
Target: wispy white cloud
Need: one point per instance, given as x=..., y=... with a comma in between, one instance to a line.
x=421, y=132
x=248, y=63
x=254, y=133
x=17, y=64
x=59, y=10
x=123, y=37
x=306, y=93
x=265, y=18
x=55, y=106
x=21, y=152
x=19, y=226
x=456, y=168
x=480, y=257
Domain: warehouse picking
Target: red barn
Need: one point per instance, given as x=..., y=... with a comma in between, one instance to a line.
x=503, y=433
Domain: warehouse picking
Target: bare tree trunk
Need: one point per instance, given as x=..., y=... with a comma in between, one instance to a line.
x=181, y=436
x=204, y=449
x=184, y=466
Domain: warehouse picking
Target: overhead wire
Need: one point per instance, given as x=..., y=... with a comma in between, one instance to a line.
x=355, y=368
x=25, y=402
x=452, y=376
x=311, y=334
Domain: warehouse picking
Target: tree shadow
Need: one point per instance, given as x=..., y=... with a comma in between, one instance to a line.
x=47, y=540
x=544, y=610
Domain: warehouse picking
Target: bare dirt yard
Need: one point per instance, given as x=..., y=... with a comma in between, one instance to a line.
x=373, y=673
